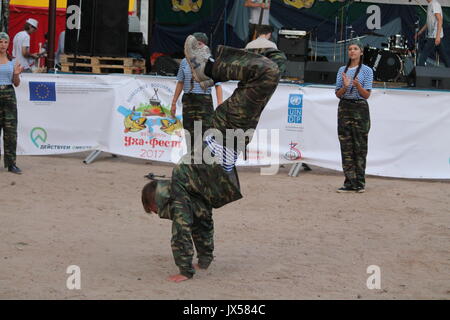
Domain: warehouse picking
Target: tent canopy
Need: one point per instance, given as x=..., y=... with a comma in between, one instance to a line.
x=60, y=4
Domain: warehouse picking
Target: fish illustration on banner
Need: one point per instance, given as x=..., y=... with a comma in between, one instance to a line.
x=187, y=5
x=150, y=116
x=133, y=121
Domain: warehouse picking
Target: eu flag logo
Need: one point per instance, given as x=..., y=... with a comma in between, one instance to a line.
x=42, y=91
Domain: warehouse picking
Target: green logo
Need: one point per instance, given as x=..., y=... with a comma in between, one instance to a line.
x=38, y=136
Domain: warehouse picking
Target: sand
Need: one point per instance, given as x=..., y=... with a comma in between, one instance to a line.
x=289, y=238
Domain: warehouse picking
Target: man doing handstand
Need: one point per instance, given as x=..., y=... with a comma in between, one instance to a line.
x=196, y=188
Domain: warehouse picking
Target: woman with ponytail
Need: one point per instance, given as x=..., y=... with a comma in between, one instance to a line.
x=10, y=70
x=353, y=87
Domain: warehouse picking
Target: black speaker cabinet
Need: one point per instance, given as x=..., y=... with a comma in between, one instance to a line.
x=86, y=30
x=432, y=77
x=293, y=46
x=135, y=41
x=295, y=69
x=104, y=27
x=321, y=72
x=111, y=28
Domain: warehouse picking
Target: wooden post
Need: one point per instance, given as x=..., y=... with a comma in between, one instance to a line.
x=51, y=34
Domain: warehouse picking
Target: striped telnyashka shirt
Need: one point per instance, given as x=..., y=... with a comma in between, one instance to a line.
x=189, y=84
x=226, y=156
x=365, y=77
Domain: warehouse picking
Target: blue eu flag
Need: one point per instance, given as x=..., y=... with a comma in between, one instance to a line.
x=42, y=91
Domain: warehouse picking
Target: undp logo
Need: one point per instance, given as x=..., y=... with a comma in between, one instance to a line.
x=295, y=108
x=38, y=137
x=295, y=100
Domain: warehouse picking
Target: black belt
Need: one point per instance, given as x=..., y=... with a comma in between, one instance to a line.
x=5, y=86
x=354, y=100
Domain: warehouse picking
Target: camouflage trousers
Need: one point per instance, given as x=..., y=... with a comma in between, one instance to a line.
x=206, y=186
x=197, y=107
x=8, y=124
x=188, y=226
x=353, y=131
x=258, y=77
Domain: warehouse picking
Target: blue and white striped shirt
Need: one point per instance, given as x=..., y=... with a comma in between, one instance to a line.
x=185, y=75
x=227, y=157
x=6, y=73
x=365, y=77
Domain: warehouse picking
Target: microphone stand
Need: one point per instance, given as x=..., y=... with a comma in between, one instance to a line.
x=416, y=42
x=261, y=15
x=315, y=51
x=335, y=37
x=78, y=40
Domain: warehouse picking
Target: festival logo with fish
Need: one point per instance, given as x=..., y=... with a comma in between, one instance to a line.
x=187, y=5
x=149, y=116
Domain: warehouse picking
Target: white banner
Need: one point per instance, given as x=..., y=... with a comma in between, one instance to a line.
x=444, y=3
x=409, y=135
x=129, y=116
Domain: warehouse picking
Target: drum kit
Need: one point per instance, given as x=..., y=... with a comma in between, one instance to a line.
x=391, y=63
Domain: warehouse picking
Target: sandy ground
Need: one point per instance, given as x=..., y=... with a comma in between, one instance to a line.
x=289, y=238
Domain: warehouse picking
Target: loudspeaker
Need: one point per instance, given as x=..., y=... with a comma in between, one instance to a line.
x=111, y=28
x=293, y=46
x=104, y=27
x=135, y=41
x=294, y=69
x=321, y=72
x=432, y=77
x=166, y=66
x=86, y=30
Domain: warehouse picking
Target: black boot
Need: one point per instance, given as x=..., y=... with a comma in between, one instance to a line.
x=14, y=169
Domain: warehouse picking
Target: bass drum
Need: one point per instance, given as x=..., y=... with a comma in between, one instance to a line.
x=386, y=65
x=370, y=55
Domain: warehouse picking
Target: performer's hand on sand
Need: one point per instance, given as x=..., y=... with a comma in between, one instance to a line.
x=177, y=278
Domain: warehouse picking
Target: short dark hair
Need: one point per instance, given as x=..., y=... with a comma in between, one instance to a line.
x=263, y=29
x=202, y=37
x=148, y=193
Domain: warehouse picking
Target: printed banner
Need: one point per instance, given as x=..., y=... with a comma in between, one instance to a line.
x=129, y=115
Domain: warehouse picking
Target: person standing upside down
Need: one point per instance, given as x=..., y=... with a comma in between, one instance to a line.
x=196, y=188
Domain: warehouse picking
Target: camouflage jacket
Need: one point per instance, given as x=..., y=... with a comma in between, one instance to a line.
x=208, y=185
x=273, y=54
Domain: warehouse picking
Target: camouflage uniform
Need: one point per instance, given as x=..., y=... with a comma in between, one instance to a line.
x=8, y=124
x=197, y=188
x=197, y=107
x=353, y=131
x=258, y=77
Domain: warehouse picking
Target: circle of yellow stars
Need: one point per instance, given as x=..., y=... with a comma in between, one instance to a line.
x=38, y=89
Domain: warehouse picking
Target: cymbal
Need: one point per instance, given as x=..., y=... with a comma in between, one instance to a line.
x=351, y=39
x=372, y=33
